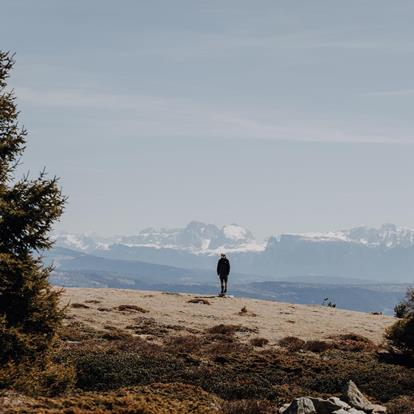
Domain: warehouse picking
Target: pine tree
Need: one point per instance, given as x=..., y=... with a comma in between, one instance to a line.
x=29, y=311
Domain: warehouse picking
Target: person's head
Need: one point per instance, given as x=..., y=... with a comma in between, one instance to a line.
x=223, y=255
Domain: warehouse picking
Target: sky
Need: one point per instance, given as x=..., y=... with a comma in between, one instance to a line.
x=280, y=116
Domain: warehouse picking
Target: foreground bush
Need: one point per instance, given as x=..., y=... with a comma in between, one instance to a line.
x=401, y=335
x=233, y=370
x=406, y=306
x=249, y=407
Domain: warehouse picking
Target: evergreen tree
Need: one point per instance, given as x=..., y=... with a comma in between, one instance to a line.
x=29, y=311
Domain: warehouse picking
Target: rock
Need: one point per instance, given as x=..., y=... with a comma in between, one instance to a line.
x=378, y=409
x=339, y=402
x=302, y=405
x=355, y=398
x=326, y=406
x=340, y=411
x=355, y=411
x=283, y=408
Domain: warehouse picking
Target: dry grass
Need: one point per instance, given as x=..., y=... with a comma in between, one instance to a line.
x=131, y=308
x=223, y=329
x=149, y=326
x=245, y=312
x=249, y=407
x=79, y=306
x=102, y=309
x=201, y=301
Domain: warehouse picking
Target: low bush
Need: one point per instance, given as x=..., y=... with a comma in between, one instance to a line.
x=317, y=346
x=78, y=331
x=201, y=301
x=79, y=306
x=31, y=379
x=249, y=407
x=131, y=308
x=406, y=306
x=259, y=342
x=401, y=405
x=353, y=343
x=401, y=335
x=229, y=329
x=292, y=343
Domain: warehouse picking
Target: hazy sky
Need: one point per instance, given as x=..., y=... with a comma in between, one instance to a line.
x=277, y=115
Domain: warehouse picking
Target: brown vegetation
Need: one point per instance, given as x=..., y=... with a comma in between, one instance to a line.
x=236, y=376
x=199, y=300
x=79, y=306
x=131, y=308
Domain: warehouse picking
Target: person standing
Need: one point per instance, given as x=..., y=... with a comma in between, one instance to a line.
x=223, y=271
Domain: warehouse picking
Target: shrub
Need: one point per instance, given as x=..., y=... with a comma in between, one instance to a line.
x=131, y=308
x=248, y=407
x=406, y=306
x=317, y=346
x=187, y=343
x=202, y=301
x=77, y=331
x=259, y=342
x=53, y=379
x=401, y=405
x=224, y=329
x=400, y=310
x=353, y=343
x=79, y=306
x=292, y=343
x=229, y=329
x=401, y=335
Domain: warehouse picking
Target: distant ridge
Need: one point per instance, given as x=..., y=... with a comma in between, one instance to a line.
x=384, y=254
x=201, y=238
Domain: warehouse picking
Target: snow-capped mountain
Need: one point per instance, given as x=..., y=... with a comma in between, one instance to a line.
x=201, y=238
x=388, y=235
x=86, y=242
x=364, y=253
x=196, y=237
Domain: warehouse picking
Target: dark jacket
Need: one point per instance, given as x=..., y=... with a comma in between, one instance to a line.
x=223, y=267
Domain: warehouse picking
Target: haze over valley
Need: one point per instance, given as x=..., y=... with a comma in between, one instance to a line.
x=360, y=268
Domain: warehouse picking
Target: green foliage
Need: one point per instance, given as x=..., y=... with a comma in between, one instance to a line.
x=401, y=335
x=29, y=312
x=406, y=306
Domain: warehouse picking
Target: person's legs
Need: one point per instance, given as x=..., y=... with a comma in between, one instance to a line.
x=222, y=284
x=225, y=284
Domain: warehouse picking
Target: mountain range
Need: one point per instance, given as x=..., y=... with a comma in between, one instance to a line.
x=384, y=254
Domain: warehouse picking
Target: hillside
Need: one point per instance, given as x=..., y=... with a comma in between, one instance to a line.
x=129, y=351
x=270, y=320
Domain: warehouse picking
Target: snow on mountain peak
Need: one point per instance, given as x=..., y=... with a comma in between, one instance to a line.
x=388, y=235
x=196, y=237
x=201, y=238
x=236, y=232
